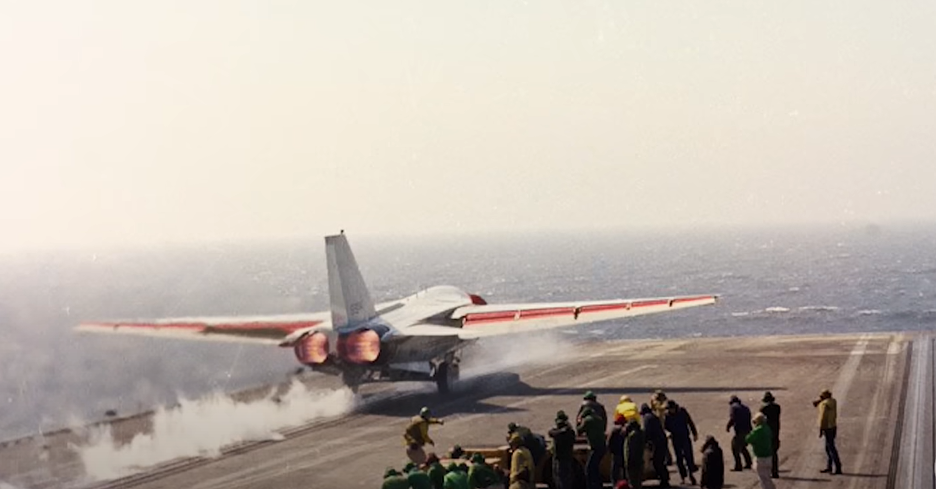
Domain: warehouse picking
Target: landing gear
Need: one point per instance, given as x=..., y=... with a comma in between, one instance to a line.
x=447, y=375
x=352, y=379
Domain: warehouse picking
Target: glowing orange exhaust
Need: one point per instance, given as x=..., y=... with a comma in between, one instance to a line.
x=313, y=349
x=361, y=347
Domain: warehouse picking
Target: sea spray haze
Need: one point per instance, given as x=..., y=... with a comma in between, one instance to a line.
x=780, y=281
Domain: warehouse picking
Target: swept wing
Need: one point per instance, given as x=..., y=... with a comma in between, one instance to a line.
x=497, y=319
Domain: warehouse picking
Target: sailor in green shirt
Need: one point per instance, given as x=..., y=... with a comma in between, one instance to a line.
x=455, y=478
x=393, y=480
x=481, y=475
x=436, y=472
x=594, y=429
x=761, y=441
x=417, y=478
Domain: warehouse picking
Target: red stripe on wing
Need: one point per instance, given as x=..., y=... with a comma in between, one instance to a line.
x=489, y=317
x=604, y=307
x=540, y=313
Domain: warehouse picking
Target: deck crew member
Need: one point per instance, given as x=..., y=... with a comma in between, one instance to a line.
x=522, y=470
x=761, y=441
x=591, y=401
x=634, y=446
x=394, y=480
x=456, y=477
x=739, y=418
x=828, y=428
x=656, y=438
x=679, y=424
x=481, y=475
x=616, y=449
x=416, y=435
x=563, y=439
x=592, y=426
x=772, y=410
x=658, y=404
x=713, y=465
x=626, y=410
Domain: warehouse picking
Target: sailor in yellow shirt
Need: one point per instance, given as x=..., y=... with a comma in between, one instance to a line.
x=416, y=435
x=626, y=410
x=828, y=427
x=522, y=471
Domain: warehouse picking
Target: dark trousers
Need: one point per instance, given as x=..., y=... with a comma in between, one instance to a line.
x=659, y=463
x=563, y=478
x=830, y=450
x=738, y=450
x=635, y=475
x=593, y=477
x=775, y=469
x=617, y=468
x=682, y=450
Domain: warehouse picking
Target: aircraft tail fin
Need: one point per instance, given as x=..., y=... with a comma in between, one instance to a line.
x=350, y=301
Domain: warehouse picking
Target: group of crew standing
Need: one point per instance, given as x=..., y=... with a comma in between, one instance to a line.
x=661, y=427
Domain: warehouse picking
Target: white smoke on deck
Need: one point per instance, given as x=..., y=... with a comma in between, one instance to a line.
x=204, y=426
x=491, y=355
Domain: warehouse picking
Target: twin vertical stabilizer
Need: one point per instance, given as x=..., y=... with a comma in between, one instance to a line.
x=351, y=304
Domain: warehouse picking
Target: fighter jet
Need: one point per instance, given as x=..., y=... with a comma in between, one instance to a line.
x=417, y=338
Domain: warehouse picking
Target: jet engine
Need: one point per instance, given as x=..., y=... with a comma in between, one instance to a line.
x=312, y=349
x=360, y=347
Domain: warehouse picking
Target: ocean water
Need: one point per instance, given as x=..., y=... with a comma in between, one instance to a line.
x=772, y=281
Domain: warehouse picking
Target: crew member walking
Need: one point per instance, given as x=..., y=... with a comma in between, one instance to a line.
x=772, y=410
x=739, y=417
x=828, y=418
x=679, y=424
x=416, y=435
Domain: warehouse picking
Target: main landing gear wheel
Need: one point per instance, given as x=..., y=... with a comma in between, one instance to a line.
x=446, y=376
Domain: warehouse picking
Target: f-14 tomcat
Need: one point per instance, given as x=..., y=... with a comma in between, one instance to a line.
x=417, y=338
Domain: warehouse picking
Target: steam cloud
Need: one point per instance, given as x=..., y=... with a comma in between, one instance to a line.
x=204, y=426
x=504, y=353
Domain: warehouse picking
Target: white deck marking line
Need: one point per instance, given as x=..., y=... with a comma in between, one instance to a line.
x=887, y=378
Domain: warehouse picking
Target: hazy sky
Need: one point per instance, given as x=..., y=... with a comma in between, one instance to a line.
x=141, y=122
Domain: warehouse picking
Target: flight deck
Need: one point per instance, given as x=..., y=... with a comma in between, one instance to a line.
x=883, y=383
